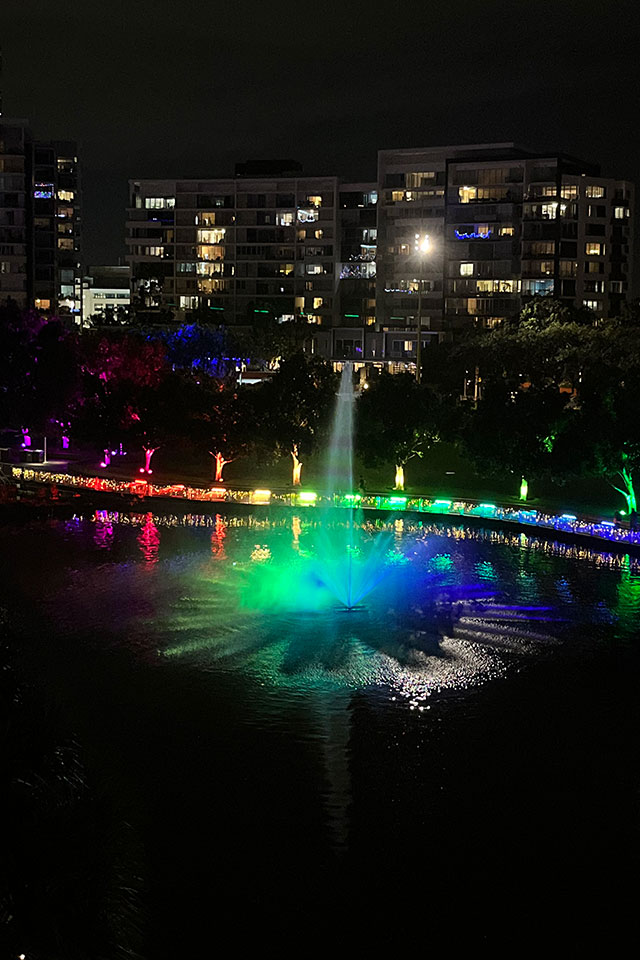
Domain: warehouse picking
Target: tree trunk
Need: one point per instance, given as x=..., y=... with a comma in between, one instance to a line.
x=148, y=453
x=628, y=492
x=297, y=465
x=220, y=465
x=399, y=477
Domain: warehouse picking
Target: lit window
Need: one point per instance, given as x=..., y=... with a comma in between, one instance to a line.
x=319, y=234
x=569, y=191
x=466, y=269
x=313, y=268
x=315, y=201
x=592, y=305
x=594, y=249
x=43, y=191
x=467, y=194
x=483, y=229
x=307, y=214
x=546, y=266
x=189, y=303
x=594, y=192
x=67, y=195
x=285, y=218
x=616, y=286
x=211, y=252
x=549, y=211
x=537, y=287
x=285, y=269
x=42, y=304
x=506, y=230
x=159, y=203
x=621, y=213
x=317, y=303
x=153, y=251
x=397, y=196
x=211, y=236
x=65, y=243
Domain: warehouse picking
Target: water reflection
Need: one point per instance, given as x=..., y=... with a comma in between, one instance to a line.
x=149, y=540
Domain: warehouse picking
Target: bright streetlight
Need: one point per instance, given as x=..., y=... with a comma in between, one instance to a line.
x=422, y=247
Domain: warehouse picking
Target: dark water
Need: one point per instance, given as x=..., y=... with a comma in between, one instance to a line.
x=318, y=779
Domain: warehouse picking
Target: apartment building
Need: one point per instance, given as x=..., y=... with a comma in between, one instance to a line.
x=57, y=219
x=504, y=224
x=15, y=242
x=40, y=221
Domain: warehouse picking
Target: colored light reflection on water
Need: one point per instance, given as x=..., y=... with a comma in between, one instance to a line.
x=428, y=607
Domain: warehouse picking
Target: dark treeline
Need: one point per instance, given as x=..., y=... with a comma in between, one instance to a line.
x=556, y=394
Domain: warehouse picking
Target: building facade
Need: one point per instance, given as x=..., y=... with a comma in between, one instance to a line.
x=280, y=247
x=505, y=224
x=15, y=233
x=105, y=291
x=447, y=239
x=56, y=217
x=40, y=222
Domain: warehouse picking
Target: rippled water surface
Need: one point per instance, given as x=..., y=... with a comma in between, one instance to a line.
x=463, y=739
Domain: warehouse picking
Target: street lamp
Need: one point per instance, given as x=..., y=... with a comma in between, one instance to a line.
x=422, y=247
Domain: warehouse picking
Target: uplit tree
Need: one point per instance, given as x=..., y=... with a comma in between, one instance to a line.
x=293, y=408
x=398, y=419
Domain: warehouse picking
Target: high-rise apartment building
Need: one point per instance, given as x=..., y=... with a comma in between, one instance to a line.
x=284, y=247
x=15, y=233
x=39, y=222
x=505, y=224
x=454, y=236
x=56, y=207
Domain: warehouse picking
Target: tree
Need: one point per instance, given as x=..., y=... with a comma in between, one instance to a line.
x=398, y=419
x=294, y=408
x=227, y=422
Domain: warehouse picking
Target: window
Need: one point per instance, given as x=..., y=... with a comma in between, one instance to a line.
x=543, y=249
x=467, y=194
x=189, y=303
x=592, y=305
x=413, y=180
x=159, y=203
x=594, y=266
x=397, y=196
x=43, y=191
x=211, y=236
x=65, y=243
x=285, y=269
x=595, y=193
x=285, y=218
x=466, y=269
x=596, y=210
x=506, y=230
x=307, y=214
x=317, y=302
x=621, y=213
x=315, y=201
x=5, y=266
x=549, y=211
x=152, y=251
x=537, y=287
x=568, y=268
x=616, y=286
x=67, y=195
x=313, y=268
x=593, y=249
x=569, y=191
x=546, y=266
x=319, y=234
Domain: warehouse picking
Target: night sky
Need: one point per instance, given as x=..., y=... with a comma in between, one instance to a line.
x=189, y=87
